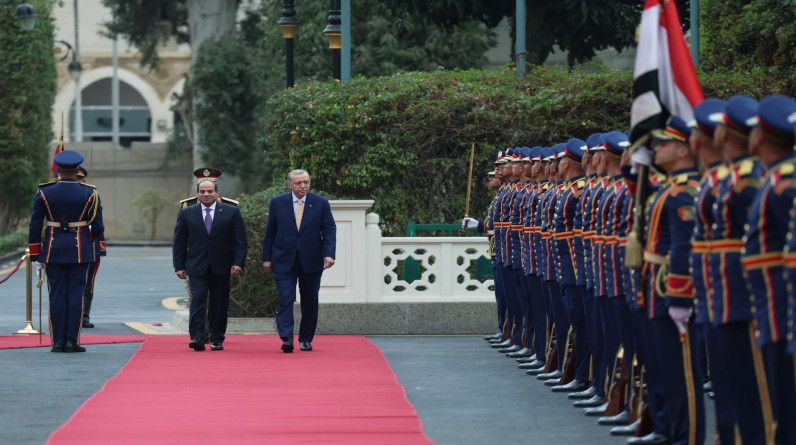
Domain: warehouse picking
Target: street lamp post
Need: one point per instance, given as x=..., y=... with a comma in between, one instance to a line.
x=333, y=34
x=288, y=23
x=25, y=14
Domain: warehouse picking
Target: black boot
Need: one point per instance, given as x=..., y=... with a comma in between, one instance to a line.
x=88, y=297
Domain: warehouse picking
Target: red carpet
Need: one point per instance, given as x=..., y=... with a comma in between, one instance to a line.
x=32, y=341
x=251, y=393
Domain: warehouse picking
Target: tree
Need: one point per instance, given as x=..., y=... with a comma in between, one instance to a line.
x=150, y=202
x=146, y=23
x=746, y=34
x=27, y=93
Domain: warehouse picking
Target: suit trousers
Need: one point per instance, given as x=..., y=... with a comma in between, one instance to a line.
x=216, y=306
x=66, y=283
x=309, y=283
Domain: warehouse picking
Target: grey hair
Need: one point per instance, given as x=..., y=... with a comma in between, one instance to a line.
x=296, y=172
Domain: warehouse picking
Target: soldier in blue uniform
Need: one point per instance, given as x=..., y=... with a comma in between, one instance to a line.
x=707, y=116
x=669, y=294
x=568, y=253
x=772, y=141
x=93, y=268
x=65, y=221
x=731, y=309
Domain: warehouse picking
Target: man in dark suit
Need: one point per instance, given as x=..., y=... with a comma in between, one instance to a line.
x=209, y=246
x=65, y=221
x=299, y=243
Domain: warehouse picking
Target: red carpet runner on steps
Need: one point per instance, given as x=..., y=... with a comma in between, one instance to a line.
x=343, y=392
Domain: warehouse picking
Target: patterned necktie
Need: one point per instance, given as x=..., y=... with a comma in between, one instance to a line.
x=299, y=213
x=208, y=220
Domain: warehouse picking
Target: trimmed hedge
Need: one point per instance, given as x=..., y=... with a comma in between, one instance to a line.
x=13, y=241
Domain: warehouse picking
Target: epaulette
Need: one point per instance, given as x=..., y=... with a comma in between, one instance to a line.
x=88, y=185
x=746, y=167
x=45, y=184
x=187, y=202
x=786, y=169
x=230, y=201
x=581, y=183
x=682, y=178
x=722, y=172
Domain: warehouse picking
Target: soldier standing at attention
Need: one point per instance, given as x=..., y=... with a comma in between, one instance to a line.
x=65, y=221
x=99, y=246
x=772, y=141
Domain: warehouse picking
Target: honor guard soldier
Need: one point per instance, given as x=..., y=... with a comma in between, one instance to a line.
x=569, y=257
x=669, y=293
x=65, y=221
x=206, y=174
x=730, y=298
x=772, y=141
x=93, y=268
x=707, y=116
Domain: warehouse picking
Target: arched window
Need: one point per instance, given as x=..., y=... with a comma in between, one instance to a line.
x=135, y=121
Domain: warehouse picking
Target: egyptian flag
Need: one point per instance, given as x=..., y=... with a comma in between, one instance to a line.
x=58, y=148
x=664, y=80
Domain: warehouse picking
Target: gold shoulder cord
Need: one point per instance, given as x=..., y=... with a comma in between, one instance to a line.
x=94, y=206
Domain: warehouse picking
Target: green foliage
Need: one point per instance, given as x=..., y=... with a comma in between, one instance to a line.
x=150, y=202
x=747, y=34
x=229, y=94
x=253, y=294
x=13, y=242
x=147, y=23
x=27, y=92
x=405, y=140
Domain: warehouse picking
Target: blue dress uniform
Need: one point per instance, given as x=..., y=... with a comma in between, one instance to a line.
x=763, y=263
x=539, y=260
x=566, y=257
x=503, y=237
x=536, y=292
x=560, y=319
x=499, y=237
x=489, y=229
x=516, y=231
x=667, y=282
x=591, y=251
x=93, y=268
x=65, y=221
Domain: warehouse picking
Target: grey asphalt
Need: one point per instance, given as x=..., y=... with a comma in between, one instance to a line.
x=463, y=391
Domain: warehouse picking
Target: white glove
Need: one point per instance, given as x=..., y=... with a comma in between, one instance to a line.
x=642, y=156
x=680, y=316
x=469, y=223
x=38, y=266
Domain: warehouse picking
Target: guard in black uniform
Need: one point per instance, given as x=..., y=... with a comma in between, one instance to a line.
x=93, y=268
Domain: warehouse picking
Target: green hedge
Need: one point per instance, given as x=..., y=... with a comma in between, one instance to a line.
x=13, y=242
x=405, y=140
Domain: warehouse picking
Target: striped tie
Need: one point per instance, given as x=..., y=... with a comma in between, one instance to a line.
x=299, y=213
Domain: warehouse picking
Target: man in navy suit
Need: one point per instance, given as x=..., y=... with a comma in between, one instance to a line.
x=299, y=243
x=209, y=247
x=65, y=221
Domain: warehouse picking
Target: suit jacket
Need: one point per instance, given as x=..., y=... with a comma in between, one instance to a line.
x=314, y=240
x=65, y=221
x=199, y=252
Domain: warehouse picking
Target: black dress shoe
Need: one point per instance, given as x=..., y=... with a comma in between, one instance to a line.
x=650, y=439
x=549, y=375
x=287, y=345
x=197, y=344
x=57, y=348
x=216, y=346
x=596, y=410
x=573, y=386
x=619, y=419
x=72, y=346
x=494, y=336
x=595, y=400
x=538, y=364
x=524, y=352
x=626, y=430
x=306, y=346
x=87, y=323
x=504, y=344
x=510, y=349
x=587, y=393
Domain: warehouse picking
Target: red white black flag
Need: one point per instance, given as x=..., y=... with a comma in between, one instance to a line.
x=664, y=80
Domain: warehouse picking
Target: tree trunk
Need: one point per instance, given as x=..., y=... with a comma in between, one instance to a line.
x=8, y=218
x=536, y=47
x=208, y=19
